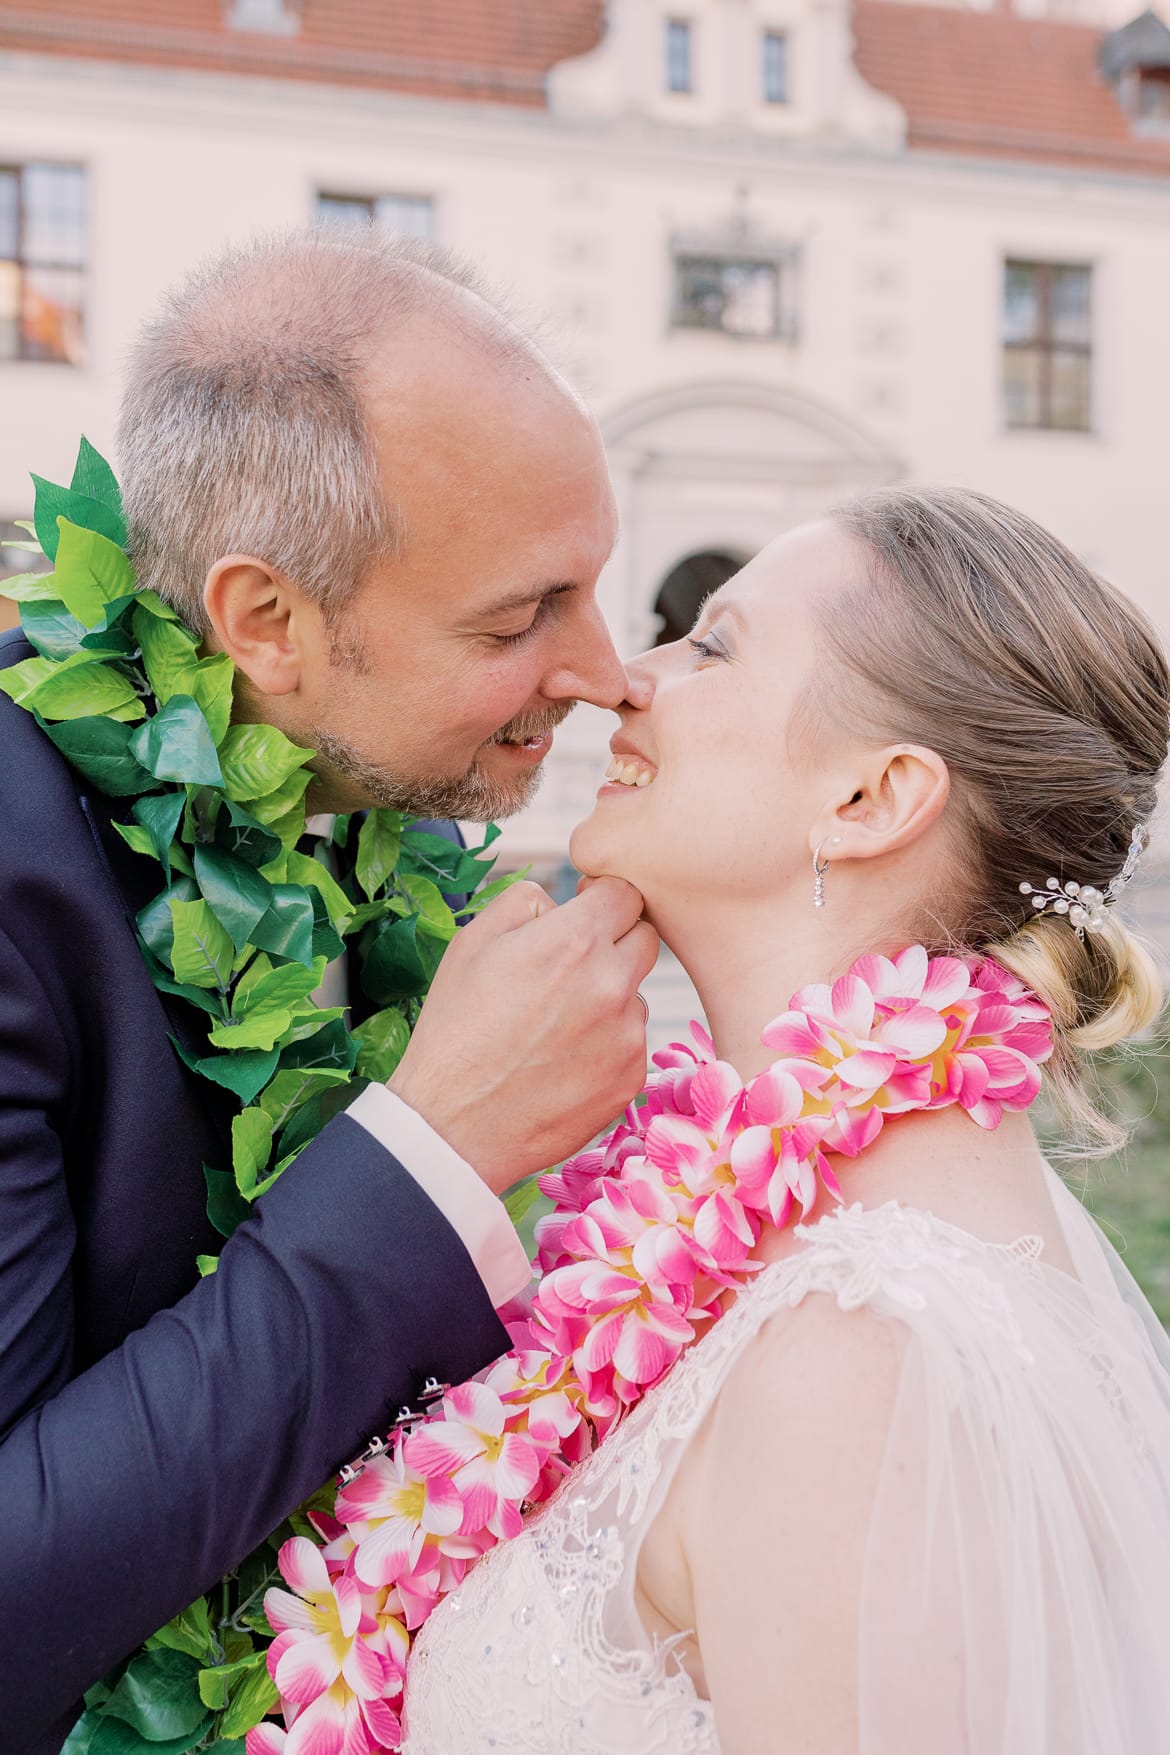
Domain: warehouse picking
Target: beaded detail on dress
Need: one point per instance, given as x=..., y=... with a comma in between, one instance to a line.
x=541, y=1651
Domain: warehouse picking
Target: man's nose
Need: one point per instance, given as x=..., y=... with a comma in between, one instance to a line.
x=590, y=669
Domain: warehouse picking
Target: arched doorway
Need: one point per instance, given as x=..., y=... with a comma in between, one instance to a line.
x=685, y=588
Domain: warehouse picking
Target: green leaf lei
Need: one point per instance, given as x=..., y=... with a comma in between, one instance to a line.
x=242, y=929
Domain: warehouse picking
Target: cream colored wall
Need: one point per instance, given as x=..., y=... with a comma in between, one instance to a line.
x=715, y=442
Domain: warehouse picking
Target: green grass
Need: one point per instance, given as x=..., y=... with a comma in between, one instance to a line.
x=1129, y=1195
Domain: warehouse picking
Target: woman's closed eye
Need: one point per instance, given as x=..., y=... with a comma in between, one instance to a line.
x=709, y=647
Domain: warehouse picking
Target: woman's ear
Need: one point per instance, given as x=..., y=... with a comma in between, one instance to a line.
x=260, y=621
x=900, y=792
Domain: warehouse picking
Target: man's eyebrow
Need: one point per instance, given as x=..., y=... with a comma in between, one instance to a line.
x=522, y=599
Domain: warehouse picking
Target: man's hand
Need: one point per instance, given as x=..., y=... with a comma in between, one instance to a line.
x=532, y=1037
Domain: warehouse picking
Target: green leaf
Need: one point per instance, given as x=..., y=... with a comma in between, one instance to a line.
x=170, y=656
x=189, y=1632
x=155, y=921
x=207, y=1264
x=93, y=477
x=237, y=894
x=246, y=1072
x=330, y=1046
x=286, y=929
x=71, y=688
x=136, y=838
x=202, y=954
x=80, y=1737
x=434, y=914
x=251, y=1702
x=113, y=1737
x=53, y=502
x=176, y=744
x=256, y=759
x=326, y=942
x=51, y=629
x=251, y=1147
x=91, y=572
x=303, y=868
x=379, y=843
x=28, y=587
x=262, y=986
x=158, y=1696
x=289, y=1090
x=381, y=1042
x=260, y=1030
x=226, y=1206
x=392, y=968
x=276, y=804
x=160, y=816
x=100, y=750
x=314, y=1114
x=165, y=982
x=520, y=1200
x=216, y=1681
x=238, y=832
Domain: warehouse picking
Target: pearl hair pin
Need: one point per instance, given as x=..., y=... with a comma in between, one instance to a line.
x=1084, y=905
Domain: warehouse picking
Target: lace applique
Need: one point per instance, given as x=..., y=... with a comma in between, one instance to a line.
x=541, y=1651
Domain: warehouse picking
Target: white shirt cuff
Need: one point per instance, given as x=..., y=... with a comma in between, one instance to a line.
x=477, y=1216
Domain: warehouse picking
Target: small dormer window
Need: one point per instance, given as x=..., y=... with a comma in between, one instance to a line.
x=270, y=18
x=1153, y=95
x=679, y=76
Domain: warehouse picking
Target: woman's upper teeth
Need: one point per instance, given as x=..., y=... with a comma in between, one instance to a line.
x=630, y=771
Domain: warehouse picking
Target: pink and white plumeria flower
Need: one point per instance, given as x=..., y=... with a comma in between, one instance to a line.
x=648, y=1228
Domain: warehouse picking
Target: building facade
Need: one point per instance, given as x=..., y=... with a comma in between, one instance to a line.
x=788, y=250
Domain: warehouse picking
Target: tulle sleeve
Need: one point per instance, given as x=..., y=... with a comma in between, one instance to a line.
x=1016, y=1586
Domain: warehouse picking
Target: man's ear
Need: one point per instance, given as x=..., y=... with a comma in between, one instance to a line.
x=899, y=793
x=261, y=621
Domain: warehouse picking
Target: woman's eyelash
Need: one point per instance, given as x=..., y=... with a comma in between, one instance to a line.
x=704, y=648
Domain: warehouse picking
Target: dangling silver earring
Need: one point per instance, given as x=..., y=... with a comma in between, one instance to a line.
x=819, y=871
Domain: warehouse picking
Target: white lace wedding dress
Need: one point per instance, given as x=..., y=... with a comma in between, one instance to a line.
x=1016, y=1594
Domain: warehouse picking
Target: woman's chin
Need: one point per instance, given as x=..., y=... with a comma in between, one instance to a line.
x=596, y=854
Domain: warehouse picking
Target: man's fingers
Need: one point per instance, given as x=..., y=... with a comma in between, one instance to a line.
x=640, y=946
x=610, y=905
x=518, y=904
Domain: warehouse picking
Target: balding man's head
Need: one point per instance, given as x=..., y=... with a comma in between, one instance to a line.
x=245, y=422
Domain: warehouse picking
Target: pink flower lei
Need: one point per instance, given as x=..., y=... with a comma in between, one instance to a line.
x=649, y=1228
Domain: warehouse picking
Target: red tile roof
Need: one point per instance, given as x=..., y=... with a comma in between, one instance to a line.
x=1001, y=86
x=985, y=83
x=499, y=50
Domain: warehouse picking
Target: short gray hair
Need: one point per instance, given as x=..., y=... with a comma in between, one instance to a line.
x=243, y=428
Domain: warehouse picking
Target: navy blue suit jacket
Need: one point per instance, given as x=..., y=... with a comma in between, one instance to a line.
x=154, y=1427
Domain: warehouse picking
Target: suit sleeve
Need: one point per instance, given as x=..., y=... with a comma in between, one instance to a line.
x=131, y=1488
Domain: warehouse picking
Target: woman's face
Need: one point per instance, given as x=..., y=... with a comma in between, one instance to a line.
x=717, y=788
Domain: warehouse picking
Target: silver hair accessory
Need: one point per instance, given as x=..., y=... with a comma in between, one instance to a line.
x=1084, y=905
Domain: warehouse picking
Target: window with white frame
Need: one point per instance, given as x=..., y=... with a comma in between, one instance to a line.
x=1047, y=345
x=42, y=262
x=775, y=67
x=749, y=293
x=411, y=216
x=679, y=71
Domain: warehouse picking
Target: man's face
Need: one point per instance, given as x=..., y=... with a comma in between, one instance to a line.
x=437, y=687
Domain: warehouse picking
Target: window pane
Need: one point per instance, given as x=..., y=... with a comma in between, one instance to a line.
x=9, y=214
x=1022, y=386
x=740, y=298
x=1070, y=305
x=1021, y=302
x=749, y=298
x=775, y=67
x=54, y=214
x=1069, y=398
x=351, y=211
x=678, y=55
x=9, y=311
x=413, y=216
x=51, y=327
